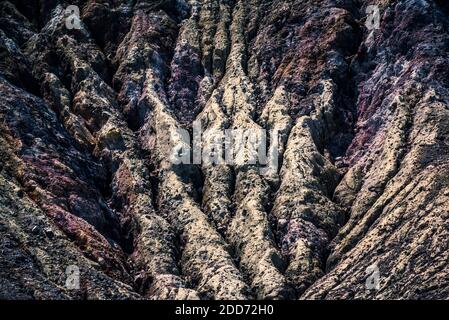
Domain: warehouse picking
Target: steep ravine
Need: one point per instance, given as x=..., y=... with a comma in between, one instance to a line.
x=89, y=117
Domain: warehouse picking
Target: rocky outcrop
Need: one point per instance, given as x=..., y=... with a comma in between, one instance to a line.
x=90, y=118
x=395, y=187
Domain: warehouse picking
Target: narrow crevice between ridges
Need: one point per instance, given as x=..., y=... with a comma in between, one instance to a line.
x=346, y=120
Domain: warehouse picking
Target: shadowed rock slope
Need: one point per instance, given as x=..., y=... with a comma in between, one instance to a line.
x=87, y=122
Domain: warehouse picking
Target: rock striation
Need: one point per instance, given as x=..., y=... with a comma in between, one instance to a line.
x=90, y=116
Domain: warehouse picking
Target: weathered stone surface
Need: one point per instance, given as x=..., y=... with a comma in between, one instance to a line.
x=89, y=119
x=396, y=186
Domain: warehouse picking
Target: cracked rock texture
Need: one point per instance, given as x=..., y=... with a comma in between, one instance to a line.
x=89, y=117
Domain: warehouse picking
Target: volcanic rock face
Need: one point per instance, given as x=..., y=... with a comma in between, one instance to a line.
x=89, y=116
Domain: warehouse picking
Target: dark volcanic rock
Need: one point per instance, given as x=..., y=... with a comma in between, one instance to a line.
x=89, y=118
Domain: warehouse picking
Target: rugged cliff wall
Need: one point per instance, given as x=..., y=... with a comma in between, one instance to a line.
x=87, y=113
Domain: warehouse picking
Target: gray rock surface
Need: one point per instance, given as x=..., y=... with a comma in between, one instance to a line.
x=89, y=118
